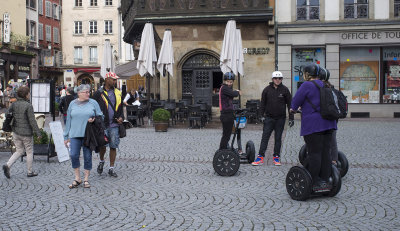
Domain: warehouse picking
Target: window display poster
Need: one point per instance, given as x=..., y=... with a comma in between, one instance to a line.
x=373, y=97
x=361, y=78
x=302, y=57
x=40, y=97
x=349, y=95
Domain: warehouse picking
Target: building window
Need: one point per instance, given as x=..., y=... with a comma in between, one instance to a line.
x=93, y=2
x=78, y=55
x=355, y=9
x=93, y=55
x=78, y=3
x=48, y=33
x=78, y=27
x=32, y=31
x=56, y=12
x=56, y=37
x=108, y=3
x=129, y=52
x=396, y=8
x=359, y=74
x=40, y=31
x=108, y=27
x=93, y=27
x=31, y=4
x=391, y=70
x=48, y=9
x=307, y=9
x=301, y=57
x=40, y=7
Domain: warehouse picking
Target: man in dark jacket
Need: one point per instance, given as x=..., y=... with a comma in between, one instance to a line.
x=110, y=101
x=65, y=101
x=274, y=101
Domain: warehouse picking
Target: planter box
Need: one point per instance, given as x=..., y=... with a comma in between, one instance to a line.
x=161, y=126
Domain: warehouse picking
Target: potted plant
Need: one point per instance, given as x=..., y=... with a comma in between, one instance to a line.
x=19, y=41
x=44, y=145
x=56, y=110
x=161, y=119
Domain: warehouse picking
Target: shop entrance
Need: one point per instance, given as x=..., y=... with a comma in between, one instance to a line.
x=201, y=78
x=86, y=79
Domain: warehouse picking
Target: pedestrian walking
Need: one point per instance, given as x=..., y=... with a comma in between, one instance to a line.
x=23, y=127
x=65, y=101
x=9, y=94
x=80, y=111
x=317, y=131
x=226, y=95
x=275, y=100
x=110, y=101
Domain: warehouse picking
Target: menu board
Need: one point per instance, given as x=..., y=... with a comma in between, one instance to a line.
x=58, y=138
x=40, y=97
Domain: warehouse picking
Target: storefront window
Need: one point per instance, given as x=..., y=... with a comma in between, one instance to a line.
x=359, y=74
x=301, y=57
x=391, y=70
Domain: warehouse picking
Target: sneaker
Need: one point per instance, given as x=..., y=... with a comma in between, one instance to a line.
x=258, y=161
x=112, y=173
x=277, y=161
x=6, y=170
x=100, y=167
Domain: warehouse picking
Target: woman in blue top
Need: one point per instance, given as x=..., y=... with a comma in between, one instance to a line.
x=317, y=131
x=80, y=111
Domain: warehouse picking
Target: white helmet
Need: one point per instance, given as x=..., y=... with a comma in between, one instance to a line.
x=277, y=74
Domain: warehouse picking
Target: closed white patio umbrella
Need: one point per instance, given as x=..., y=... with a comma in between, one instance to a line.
x=229, y=53
x=107, y=64
x=166, y=57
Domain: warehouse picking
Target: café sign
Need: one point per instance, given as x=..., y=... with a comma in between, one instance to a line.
x=256, y=51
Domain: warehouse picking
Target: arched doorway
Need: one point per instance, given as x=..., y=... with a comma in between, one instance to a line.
x=201, y=78
x=85, y=79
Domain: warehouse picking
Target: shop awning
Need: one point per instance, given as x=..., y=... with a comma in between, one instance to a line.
x=127, y=70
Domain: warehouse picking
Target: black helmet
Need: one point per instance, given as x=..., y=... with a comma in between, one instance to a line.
x=229, y=76
x=324, y=74
x=312, y=69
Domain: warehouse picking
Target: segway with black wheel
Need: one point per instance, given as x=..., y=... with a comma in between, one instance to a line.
x=342, y=162
x=226, y=162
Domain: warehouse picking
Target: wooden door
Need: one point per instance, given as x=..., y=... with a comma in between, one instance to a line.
x=134, y=82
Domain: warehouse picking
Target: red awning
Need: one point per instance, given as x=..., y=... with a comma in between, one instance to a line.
x=89, y=70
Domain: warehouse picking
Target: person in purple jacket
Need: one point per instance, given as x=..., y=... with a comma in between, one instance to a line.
x=226, y=95
x=317, y=132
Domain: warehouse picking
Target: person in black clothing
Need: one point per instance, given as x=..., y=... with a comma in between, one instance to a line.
x=226, y=95
x=274, y=100
x=65, y=101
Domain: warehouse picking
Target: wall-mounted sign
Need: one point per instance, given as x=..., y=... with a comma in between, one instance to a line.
x=23, y=68
x=49, y=61
x=6, y=27
x=256, y=51
x=370, y=36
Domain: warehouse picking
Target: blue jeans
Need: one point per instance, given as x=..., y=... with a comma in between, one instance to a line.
x=113, y=137
x=270, y=125
x=76, y=145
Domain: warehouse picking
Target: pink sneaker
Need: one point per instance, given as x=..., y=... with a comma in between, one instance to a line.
x=277, y=161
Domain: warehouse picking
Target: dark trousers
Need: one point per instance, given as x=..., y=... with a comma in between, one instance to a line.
x=319, y=159
x=227, y=124
x=270, y=125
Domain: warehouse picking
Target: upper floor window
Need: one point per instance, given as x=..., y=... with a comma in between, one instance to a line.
x=107, y=27
x=32, y=31
x=93, y=27
x=56, y=36
x=40, y=7
x=92, y=55
x=56, y=12
x=48, y=9
x=40, y=31
x=78, y=55
x=31, y=4
x=78, y=27
x=307, y=9
x=93, y=2
x=396, y=8
x=355, y=8
x=78, y=2
x=108, y=2
x=48, y=33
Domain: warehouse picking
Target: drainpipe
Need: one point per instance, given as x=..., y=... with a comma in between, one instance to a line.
x=276, y=37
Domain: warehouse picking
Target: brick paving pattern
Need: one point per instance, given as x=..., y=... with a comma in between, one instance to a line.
x=167, y=182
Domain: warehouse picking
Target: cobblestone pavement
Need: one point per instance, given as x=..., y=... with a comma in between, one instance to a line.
x=167, y=182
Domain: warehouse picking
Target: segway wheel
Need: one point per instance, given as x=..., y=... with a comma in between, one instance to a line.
x=303, y=154
x=337, y=182
x=250, y=151
x=226, y=162
x=299, y=183
x=343, y=164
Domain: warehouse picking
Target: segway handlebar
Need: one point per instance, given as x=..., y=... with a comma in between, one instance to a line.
x=241, y=111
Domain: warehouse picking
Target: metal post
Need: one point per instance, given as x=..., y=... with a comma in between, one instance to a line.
x=168, y=87
x=148, y=96
x=240, y=97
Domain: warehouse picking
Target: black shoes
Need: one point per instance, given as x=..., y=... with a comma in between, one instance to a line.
x=322, y=186
x=6, y=170
x=100, y=168
x=32, y=174
x=112, y=173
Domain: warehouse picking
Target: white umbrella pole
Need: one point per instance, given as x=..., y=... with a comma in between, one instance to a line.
x=168, y=87
x=148, y=96
x=239, y=89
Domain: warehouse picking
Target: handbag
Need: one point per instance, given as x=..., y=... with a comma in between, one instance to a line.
x=121, y=127
x=7, y=124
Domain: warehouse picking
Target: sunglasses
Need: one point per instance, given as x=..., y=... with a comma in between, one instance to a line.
x=280, y=78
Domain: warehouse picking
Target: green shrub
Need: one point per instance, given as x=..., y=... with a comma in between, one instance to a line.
x=44, y=138
x=56, y=105
x=161, y=115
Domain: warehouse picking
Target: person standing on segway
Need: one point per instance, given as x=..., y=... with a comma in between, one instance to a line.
x=317, y=131
x=226, y=95
x=275, y=99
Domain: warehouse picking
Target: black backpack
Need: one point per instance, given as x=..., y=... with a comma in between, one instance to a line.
x=333, y=103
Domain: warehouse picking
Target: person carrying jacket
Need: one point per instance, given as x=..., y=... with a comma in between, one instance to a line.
x=65, y=101
x=23, y=127
x=275, y=100
x=110, y=101
x=226, y=95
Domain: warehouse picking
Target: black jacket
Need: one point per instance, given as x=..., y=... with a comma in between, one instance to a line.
x=226, y=95
x=64, y=104
x=94, y=135
x=102, y=101
x=274, y=101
